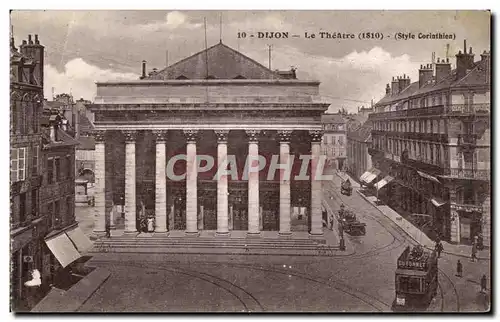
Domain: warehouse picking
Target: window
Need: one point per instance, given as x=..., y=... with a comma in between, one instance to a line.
x=58, y=169
x=341, y=140
x=34, y=159
x=69, y=207
x=50, y=214
x=34, y=202
x=69, y=167
x=22, y=207
x=57, y=213
x=50, y=171
x=18, y=164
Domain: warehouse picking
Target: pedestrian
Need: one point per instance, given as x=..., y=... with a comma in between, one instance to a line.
x=483, y=284
x=331, y=222
x=459, y=268
x=108, y=230
x=439, y=248
x=474, y=253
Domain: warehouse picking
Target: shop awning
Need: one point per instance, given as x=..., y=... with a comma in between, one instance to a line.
x=374, y=172
x=364, y=175
x=379, y=185
x=437, y=202
x=427, y=176
x=79, y=239
x=63, y=249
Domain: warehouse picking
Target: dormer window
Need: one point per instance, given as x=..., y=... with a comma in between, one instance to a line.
x=182, y=77
x=239, y=77
x=210, y=77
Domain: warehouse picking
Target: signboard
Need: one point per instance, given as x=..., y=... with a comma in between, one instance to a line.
x=412, y=264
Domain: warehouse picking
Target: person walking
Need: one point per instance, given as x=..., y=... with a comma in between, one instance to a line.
x=483, y=284
x=459, y=268
x=108, y=229
x=474, y=253
x=439, y=248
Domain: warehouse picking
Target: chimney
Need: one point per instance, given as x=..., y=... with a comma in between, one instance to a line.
x=443, y=70
x=143, y=70
x=465, y=61
x=37, y=42
x=403, y=82
x=394, y=86
x=29, y=40
x=485, y=57
x=425, y=74
x=35, y=51
x=387, y=89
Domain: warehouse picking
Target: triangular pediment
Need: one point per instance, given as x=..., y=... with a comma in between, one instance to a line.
x=223, y=63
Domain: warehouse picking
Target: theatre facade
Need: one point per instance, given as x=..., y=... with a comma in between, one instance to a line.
x=156, y=137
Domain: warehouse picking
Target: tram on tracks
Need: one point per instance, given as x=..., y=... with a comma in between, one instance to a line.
x=416, y=279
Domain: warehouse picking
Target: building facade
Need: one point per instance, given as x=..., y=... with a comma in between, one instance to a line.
x=358, y=142
x=26, y=222
x=334, y=144
x=431, y=141
x=41, y=184
x=217, y=103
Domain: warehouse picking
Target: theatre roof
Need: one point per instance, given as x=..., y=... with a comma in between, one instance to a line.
x=217, y=62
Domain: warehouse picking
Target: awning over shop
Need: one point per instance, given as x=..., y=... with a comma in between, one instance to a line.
x=379, y=185
x=437, y=202
x=427, y=176
x=81, y=241
x=373, y=173
x=63, y=249
x=364, y=175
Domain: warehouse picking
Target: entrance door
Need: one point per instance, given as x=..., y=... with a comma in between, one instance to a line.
x=179, y=213
x=240, y=217
x=270, y=220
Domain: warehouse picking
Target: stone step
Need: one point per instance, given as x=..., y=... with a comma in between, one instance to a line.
x=319, y=251
x=211, y=241
x=125, y=245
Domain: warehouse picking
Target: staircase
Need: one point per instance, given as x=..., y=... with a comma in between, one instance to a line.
x=213, y=245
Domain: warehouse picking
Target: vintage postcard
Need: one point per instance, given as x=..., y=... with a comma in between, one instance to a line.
x=250, y=161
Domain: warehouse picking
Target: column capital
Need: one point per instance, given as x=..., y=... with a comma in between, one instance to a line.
x=222, y=135
x=253, y=135
x=191, y=135
x=285, y=135
x=316, y=135
x=160, y=135
x=99, y=135
x=130, y=135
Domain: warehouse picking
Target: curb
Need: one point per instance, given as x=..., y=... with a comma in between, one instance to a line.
x=444, y=252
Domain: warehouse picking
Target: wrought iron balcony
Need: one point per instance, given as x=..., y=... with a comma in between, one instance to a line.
x=466, y=207
x=470, y=174
x=469, y=109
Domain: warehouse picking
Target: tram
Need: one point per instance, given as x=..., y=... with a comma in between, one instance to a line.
x=416, y=279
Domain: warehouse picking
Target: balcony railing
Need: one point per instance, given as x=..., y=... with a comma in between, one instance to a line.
x=466, y=207
x=470, y=174
x=469, y=108
x=454, y=109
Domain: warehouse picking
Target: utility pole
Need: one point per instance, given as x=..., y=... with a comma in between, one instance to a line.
x=220, y=28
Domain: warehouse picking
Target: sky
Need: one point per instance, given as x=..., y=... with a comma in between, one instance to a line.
x=83, y=47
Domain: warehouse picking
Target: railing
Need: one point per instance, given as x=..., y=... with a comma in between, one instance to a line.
x=479, y=174
x=453, y=109
x=466, y=207
x=469, y=108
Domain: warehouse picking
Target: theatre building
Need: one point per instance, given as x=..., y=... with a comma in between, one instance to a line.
x=431, y=148
x=217, y=103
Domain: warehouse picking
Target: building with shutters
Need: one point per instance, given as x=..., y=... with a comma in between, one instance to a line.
x=431, y=147
x=334, y=144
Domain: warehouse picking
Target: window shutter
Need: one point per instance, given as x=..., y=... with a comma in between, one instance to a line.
x=13, y=165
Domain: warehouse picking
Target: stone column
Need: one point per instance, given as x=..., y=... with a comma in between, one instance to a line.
x=160, y=182
x=191, y=183
x=285, y=183
x=130, y=184
x=222, y=185
x=253, y=185
x=316, y=193
x=100, y=183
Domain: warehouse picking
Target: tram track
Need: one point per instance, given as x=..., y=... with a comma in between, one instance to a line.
x=334, y=284
x=405, y=239
x=246, y=299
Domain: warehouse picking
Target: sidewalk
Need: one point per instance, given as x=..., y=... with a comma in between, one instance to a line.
x=58, y=300
x=416, y=234
x=419, y=237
